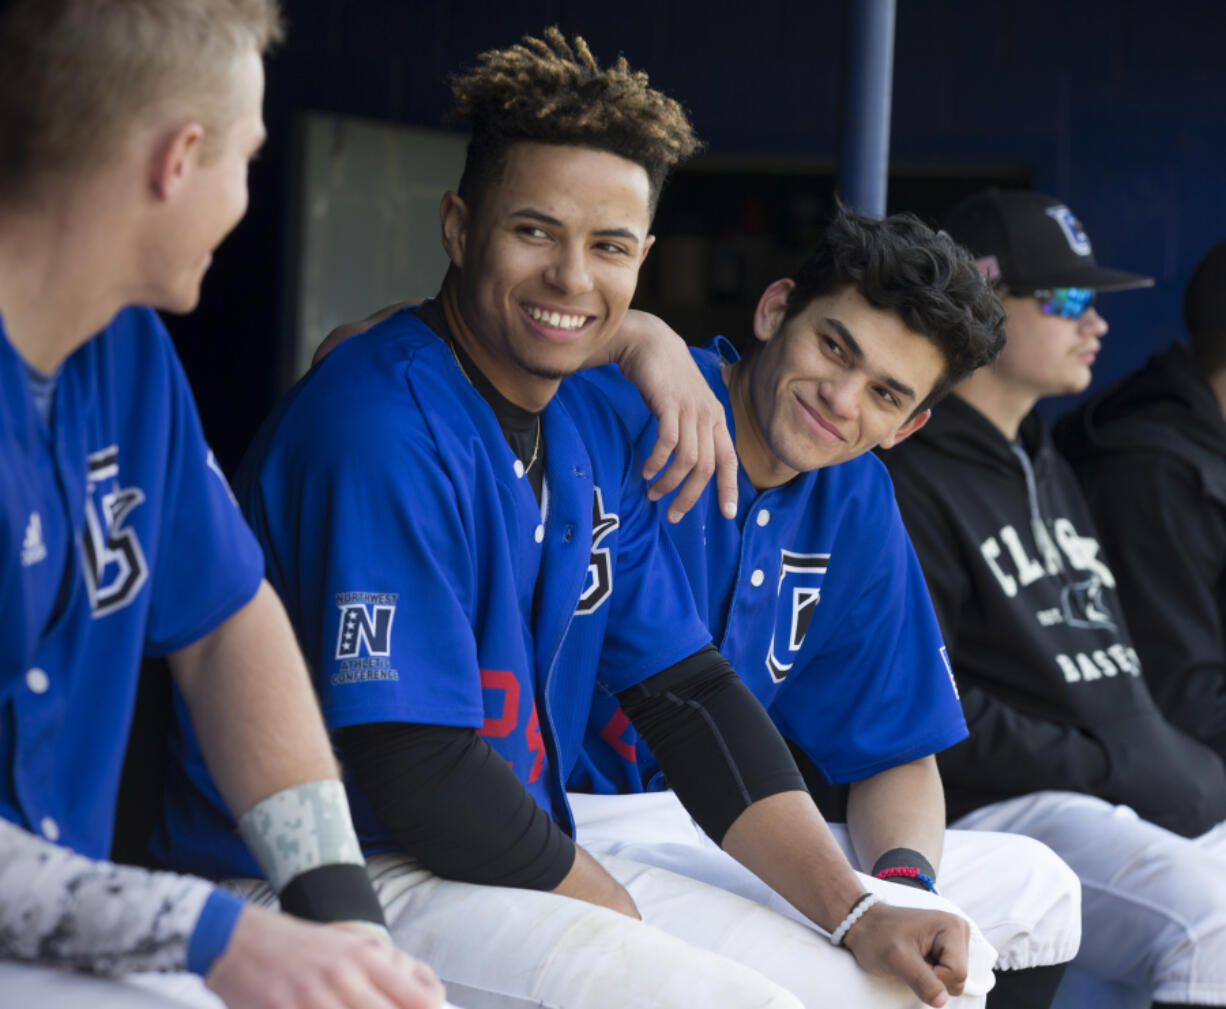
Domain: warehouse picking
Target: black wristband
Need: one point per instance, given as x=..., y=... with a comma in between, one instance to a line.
x=906, y=858
x=337, y=892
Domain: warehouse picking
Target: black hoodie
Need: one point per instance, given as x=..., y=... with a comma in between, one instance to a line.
x=1050, y=683
x=1151, y=456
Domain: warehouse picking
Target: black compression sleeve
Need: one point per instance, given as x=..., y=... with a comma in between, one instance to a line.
x=454, y=804
x=714, y=742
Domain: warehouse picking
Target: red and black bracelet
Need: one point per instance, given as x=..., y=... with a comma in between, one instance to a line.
x=906, y=866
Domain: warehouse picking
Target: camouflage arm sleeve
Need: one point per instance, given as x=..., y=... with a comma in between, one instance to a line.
x=300, y=829
x=61, y=909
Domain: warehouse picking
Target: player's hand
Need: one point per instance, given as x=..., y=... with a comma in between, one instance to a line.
x=348, y=329
x=274, y=961
x=589, y=880
x=927, y=950
x=692, y=426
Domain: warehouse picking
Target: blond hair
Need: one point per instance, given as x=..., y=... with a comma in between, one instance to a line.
x=550, y=91
x=77, y=75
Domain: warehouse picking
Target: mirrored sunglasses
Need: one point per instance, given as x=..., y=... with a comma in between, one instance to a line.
x=1066, y=302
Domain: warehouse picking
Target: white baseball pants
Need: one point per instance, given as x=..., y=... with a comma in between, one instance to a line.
x=1023, y=899
x=504, y=948
x=1153, y=903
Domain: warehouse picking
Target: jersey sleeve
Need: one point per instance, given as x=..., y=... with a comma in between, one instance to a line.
x=368, y=544
x=208, y=564
x=878, y=690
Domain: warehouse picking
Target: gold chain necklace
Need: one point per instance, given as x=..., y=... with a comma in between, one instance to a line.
x=536, y=446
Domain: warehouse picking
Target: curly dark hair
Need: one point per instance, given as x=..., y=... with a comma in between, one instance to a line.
x=900, y=264
x=552, y=91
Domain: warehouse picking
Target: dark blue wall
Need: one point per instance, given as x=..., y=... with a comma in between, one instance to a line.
x=1115, y=106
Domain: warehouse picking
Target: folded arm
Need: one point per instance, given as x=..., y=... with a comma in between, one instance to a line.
x=732, y=770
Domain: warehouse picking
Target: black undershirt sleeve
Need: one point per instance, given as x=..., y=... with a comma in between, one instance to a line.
x=712, y=739
x=454, y=804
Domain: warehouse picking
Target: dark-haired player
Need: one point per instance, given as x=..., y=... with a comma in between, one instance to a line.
x=465, y=544
x=126, y=129
x=815, y=597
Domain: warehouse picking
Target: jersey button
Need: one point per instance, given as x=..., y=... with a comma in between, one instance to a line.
x=518, y=467
x=764, y=516
x=38, y=681
x=539, y=534
x=50, y=829
x=757, y=578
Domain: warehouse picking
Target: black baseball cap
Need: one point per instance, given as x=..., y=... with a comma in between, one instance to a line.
x=1031, y=242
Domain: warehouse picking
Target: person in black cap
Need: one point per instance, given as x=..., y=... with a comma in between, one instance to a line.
x=1066, y=744
x=1166, y=532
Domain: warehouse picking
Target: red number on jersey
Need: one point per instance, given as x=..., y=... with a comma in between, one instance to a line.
x=504, y=724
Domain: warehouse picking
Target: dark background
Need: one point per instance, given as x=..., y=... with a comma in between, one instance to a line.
x=1114, y=106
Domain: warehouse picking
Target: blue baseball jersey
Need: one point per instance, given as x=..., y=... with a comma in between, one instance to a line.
x=121, y=541
x=815, y=597
x=427, y=584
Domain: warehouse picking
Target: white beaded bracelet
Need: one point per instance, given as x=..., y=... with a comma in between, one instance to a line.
x=853, y=916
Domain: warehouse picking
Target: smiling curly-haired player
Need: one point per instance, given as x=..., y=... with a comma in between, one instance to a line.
x=462, y=536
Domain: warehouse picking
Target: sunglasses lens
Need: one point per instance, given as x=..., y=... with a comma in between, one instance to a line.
x=1067, y=302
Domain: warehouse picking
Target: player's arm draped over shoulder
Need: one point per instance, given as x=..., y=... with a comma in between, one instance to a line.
x=692, y=429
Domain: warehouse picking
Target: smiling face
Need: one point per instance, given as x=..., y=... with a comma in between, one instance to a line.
x=1047, y=355
x=829, y=384
x=546, y=263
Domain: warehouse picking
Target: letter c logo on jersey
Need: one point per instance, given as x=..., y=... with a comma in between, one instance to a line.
x=115, y=566
x=800, y=590
x=599, y=585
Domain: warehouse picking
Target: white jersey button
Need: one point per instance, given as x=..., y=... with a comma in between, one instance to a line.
x=757, y=578
x=37, y=680
x=518, y=467
x=539, y=534
x=50, y=829
x=764, y=516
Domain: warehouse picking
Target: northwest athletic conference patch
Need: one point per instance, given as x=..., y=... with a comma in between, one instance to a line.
x=366, y=623
x=364, y=637
x=800, y=590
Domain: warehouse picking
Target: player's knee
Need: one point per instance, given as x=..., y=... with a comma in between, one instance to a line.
x=1058, y=879
x=1047, y=908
